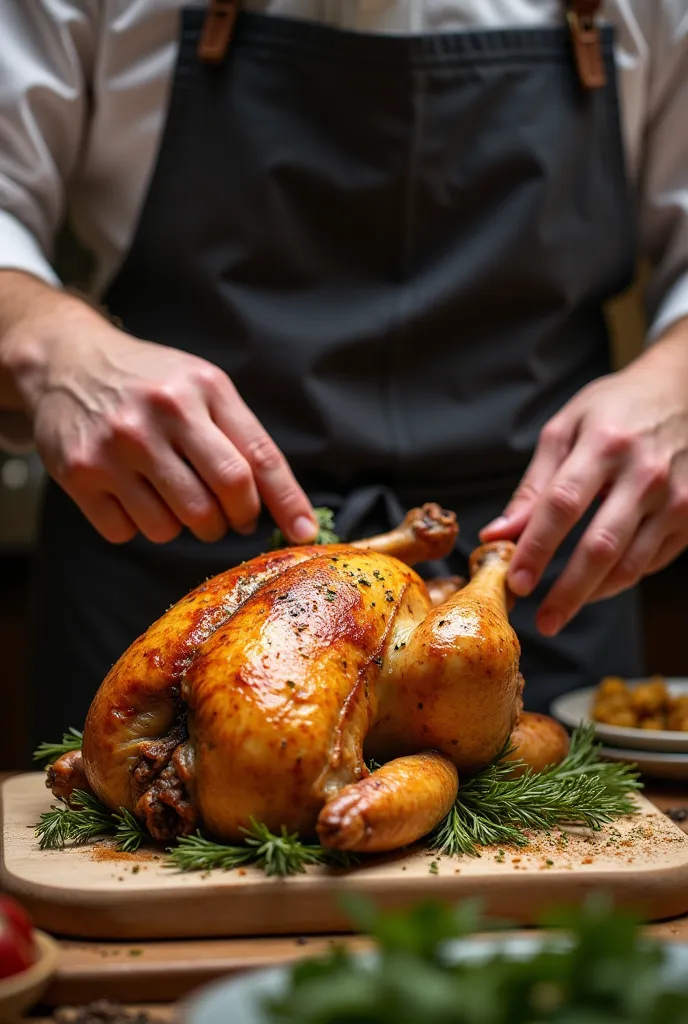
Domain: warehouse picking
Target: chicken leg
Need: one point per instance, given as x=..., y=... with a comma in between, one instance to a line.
x=396, y=806
x=451, y=680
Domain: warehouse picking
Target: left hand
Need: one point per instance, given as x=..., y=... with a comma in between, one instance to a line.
x=624, y=439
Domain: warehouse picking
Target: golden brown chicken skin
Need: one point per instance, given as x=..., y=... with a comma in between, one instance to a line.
x=396, y=806
x=257, y=695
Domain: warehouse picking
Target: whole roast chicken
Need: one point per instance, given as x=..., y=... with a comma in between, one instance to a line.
x=263, y=692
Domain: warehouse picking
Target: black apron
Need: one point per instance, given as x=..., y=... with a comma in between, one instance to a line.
x=398, y=249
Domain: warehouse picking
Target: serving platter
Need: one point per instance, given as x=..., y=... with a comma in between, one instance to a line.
x=575, y=708
x=97, y=892
x=651, y=763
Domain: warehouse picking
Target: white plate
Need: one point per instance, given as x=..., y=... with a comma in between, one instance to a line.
x=574, y=708
x=240, y=1000
x=650, y=762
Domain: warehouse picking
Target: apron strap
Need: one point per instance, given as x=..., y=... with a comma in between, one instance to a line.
x=218, y=29
x=221, y=17
x=587, y=45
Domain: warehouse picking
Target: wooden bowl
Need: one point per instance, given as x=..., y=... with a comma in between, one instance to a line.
x=21, y=991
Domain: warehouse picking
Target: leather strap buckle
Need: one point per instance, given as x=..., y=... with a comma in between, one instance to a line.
x=218, y=29
x=587, y=43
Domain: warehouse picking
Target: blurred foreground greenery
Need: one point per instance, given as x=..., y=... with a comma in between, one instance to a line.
x=599, y=970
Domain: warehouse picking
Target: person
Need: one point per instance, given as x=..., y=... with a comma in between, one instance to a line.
x=352, y=255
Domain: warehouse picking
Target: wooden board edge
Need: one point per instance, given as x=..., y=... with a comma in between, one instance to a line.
x=663, y=894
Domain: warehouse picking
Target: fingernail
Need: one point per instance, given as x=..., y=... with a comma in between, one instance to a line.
x=246, y=531
x=550, y=623
x=500, y=523
x=521, y=582
x=303, y=530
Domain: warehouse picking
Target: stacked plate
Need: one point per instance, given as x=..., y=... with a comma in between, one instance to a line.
x=656, y=752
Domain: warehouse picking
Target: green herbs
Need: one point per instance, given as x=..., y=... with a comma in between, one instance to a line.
x=50, y=752
x=493, y=807
x=282, y=854
x=83, y=820
x=326, y=535
x=603, y=971
x=129, y=833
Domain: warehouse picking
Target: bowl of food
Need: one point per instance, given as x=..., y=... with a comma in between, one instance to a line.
x=636, y=714
x=28, y=958
x=594, y=967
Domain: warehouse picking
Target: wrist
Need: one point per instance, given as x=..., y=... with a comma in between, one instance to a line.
x=37, y=322
x=669, y=353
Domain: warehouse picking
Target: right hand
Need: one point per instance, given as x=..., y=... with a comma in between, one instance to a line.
x=146, y=438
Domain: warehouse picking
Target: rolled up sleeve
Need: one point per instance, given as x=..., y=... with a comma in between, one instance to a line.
x=46, y=52
x=664, y=172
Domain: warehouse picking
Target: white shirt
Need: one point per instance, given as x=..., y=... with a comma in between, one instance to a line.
x=84, y=86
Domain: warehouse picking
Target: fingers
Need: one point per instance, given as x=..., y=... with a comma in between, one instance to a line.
x=553, y=447
x=651, y=552
x=599, y=551
x=188, y=499
x=144, y=507
x=267, y=465
x=562, y=503
x=225, y=471
x=106, y=515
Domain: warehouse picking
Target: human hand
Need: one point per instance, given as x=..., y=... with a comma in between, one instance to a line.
x=146, y=438
x=624, y=439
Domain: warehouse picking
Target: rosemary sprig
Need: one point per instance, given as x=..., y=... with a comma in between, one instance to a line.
x=326, y=535
x=129, y=832
x=494, y=807
x=84, y=819
x=71, y=740
x=277, y=854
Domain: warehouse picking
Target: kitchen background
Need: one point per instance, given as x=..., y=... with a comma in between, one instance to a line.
x=664, y=598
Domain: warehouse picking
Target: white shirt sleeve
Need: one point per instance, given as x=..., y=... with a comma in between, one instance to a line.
x=46, y=51
x=663, y=184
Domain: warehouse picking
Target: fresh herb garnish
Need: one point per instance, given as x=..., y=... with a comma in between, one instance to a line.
x=83, y=820
x=71, y=740
x=494, y=807
x=325, y=535
x=277, y=854
x=129, y=832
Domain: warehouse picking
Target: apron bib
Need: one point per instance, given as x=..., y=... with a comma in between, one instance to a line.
x=399, y=250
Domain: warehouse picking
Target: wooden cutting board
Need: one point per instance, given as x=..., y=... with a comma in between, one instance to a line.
x=95, y=892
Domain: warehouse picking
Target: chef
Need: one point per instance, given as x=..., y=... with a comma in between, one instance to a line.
x=350, y=253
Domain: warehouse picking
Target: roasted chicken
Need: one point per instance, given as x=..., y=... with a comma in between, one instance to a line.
x=262, y=693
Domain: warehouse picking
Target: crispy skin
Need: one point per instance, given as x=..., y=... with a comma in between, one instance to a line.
x=454, y=685
x=281, y=697
x=253, y=696
x=139, y=698
x=539, y=741
x=396, y=806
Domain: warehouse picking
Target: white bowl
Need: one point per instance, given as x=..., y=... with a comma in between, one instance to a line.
x=575, y=708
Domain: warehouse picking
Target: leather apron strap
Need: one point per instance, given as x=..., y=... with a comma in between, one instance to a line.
x=221, y=18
